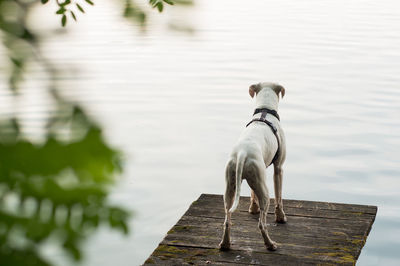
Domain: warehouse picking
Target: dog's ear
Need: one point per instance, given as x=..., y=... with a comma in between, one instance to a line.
x=254, y=89
x=279, y=89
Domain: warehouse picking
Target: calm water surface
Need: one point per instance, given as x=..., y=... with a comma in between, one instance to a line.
x=176, y=103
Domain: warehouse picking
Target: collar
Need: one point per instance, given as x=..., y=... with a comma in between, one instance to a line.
x=266, y=110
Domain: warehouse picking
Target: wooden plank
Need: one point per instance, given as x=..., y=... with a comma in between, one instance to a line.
x=181, y=255
x=210, y=211
x=244, y=201
x=316, y=233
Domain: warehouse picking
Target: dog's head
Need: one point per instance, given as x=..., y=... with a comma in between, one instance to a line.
x=255, y=89
x=267, y=94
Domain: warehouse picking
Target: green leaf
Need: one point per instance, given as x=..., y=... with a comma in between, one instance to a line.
x=61, y=11
x=73, y=249
x=64, y=20
x=141, y=18
x=160, y=6
x=89, y=2
x=169, y=2
x=44, y=1
x=73, y=15
x=17, y=62
x=80, y=8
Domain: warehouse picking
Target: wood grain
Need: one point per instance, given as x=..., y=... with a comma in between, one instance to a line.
x=317, y=233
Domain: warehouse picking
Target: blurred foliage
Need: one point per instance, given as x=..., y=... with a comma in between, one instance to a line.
x=54, y=190
x=64, y=8
x=132, y=10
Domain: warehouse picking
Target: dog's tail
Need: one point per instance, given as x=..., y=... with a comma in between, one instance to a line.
x=239, y=170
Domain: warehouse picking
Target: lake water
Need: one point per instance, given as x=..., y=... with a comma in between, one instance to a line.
x=176, y=102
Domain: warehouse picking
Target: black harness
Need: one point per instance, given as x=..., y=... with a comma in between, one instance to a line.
x=264, y=112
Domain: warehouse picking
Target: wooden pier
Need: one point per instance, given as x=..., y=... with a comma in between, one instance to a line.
x=317, y=233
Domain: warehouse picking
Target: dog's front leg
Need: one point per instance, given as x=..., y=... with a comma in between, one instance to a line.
x=254, y=205
x=280, y=216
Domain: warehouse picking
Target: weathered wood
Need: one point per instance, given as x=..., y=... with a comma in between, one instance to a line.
x=316, y=233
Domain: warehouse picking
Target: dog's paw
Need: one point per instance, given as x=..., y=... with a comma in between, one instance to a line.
x=280, y=216
x=272, y=246
x=254, y=210
x=224, y=246
x=281, y=219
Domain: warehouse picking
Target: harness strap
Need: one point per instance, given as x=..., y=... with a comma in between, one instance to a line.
x=266, y=110
x=273, y=128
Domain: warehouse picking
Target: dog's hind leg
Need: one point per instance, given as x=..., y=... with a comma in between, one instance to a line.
x=262, y=223
x=280, y=216
x=228, y=202
x=257, y=183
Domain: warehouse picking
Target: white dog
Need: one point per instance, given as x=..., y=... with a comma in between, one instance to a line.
x=262, y=143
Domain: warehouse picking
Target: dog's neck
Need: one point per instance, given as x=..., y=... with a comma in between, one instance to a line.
x=267, y=99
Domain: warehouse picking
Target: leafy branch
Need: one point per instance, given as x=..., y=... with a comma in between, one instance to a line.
x=131, y=9
x=65, y=8
x=159, y=4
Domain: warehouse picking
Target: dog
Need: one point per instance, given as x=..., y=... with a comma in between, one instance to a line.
x=261, y=143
